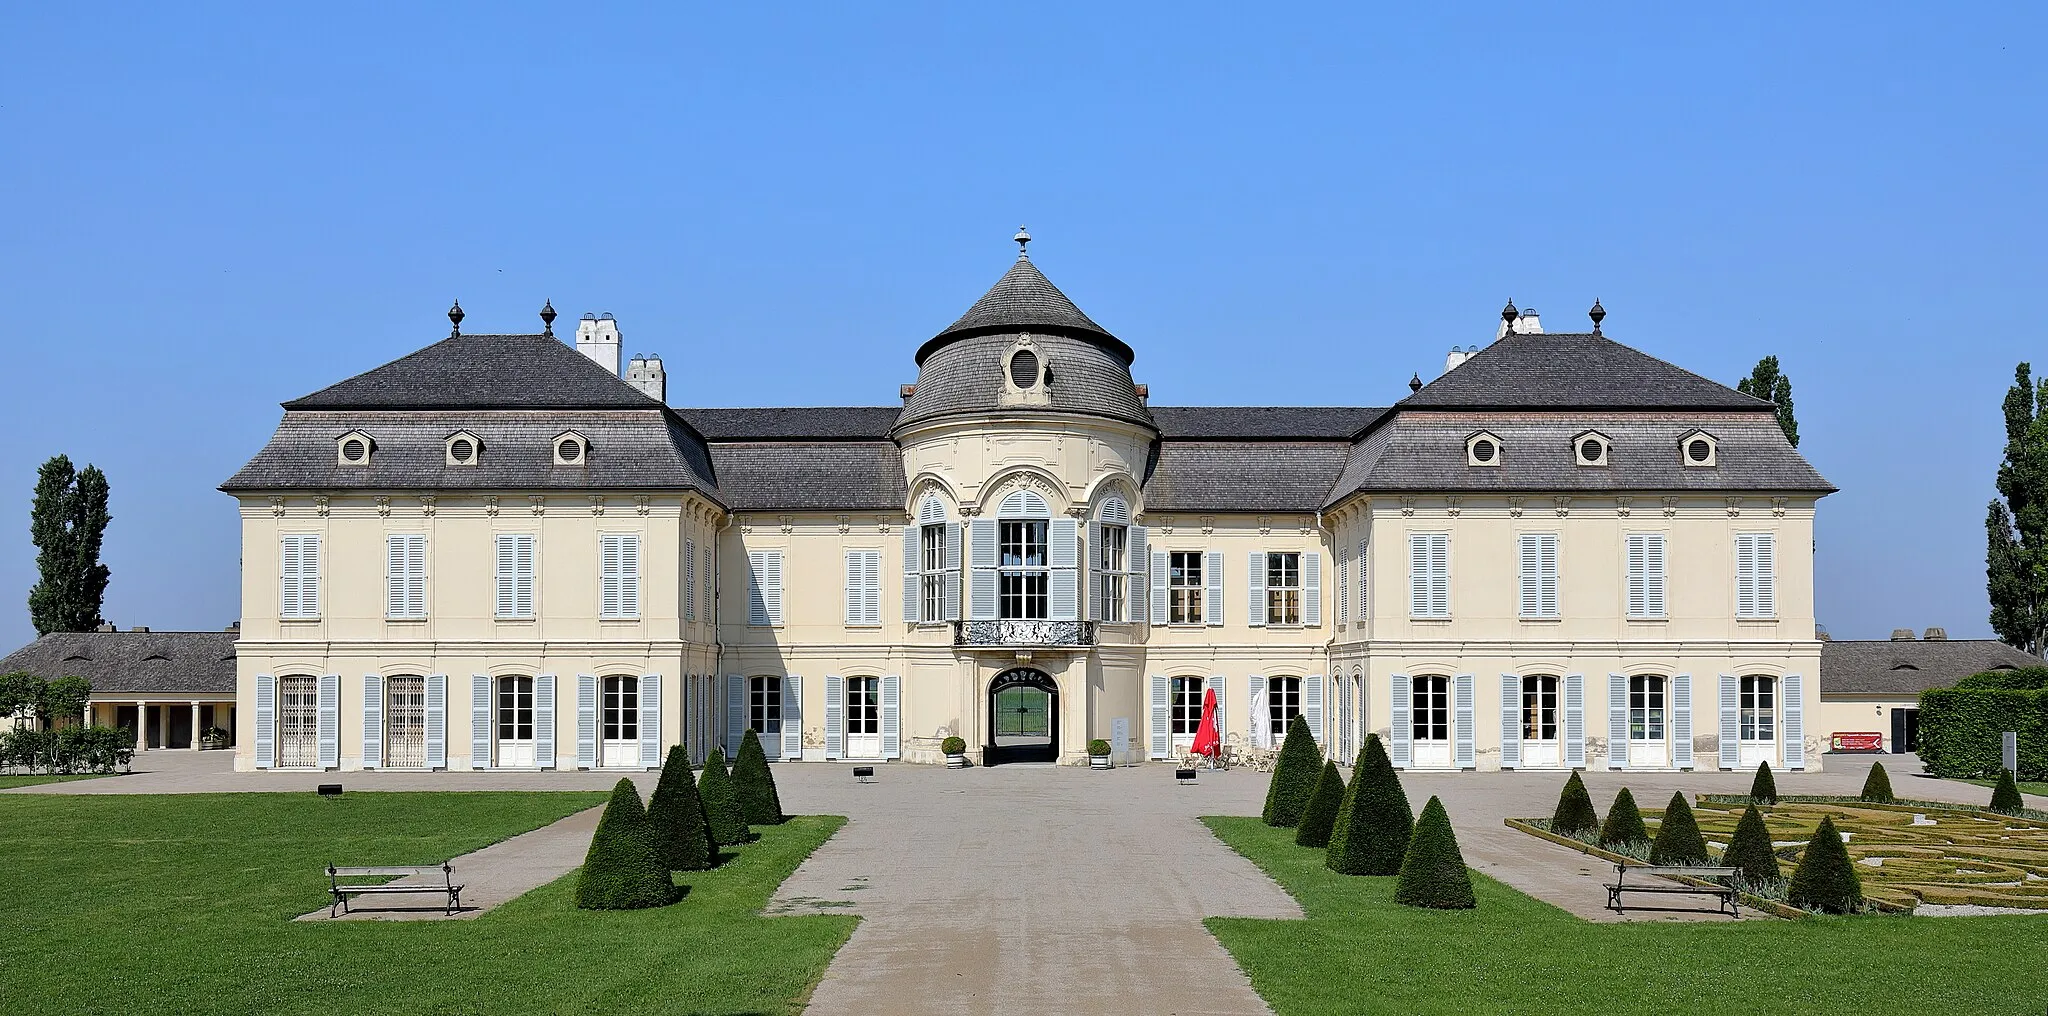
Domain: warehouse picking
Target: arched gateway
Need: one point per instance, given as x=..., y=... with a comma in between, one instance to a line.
x=1024, y=718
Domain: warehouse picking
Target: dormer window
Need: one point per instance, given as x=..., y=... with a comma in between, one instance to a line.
x=571, y=449
x=1024, y=369
x=1698, y=450
x=1591, y=448
x=1482, y=449
x=464, y=449
x=354, y=448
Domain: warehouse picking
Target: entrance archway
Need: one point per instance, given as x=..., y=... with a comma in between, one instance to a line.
x=1023, y=718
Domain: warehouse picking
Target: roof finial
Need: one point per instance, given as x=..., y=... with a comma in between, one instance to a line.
x=455, y=318
x=1509, y=313
x=547, y=319
x=1023, y=237
x=1597, y=314
x=1415, y=383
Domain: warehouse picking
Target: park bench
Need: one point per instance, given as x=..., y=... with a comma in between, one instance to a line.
x=342, y=892
x=1622, y=870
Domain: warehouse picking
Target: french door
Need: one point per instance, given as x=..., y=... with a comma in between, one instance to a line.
x=298, y=722
x=864, y=717
x=1759, y=719
x=1431, y=722
x=620, y=746
x=1539, y=722
x=515, y=722
x=1649, y=745
x=405, y=723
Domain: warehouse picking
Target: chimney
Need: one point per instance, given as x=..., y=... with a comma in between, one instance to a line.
x=1452, y=359
x=104, y=628
x=597, y=337
x=1526, y=323
x=140, y=628
x=1902, y=634
x=645, y=373
x=1936, y=635
x=906, y=391
x=1144, y=392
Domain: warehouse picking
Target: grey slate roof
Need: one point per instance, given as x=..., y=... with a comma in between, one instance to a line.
x=1908, y=667
x=483, y=372
x=1242, y=476
x=965, y=376
x=1572, y=370
x=810, y=476
x=1024, y=300
x=127, y=663
x=812, y=423
x=1264, y=423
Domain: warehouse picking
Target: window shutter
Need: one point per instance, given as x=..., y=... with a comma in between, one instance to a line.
x=1212, y=592
x=544, y=721
x=1312, y=588
x=1638, y=575
x=772, y=592
x=1681, y=721
x=1440, y=574
x=629, y=575
x=1617, y=721
x=288, y=576
x=330, y=721
x=1510, y=721
x=1095, y=574
x=1161, y=599
x=1745, y=575
x=738, y=703
x=1766, y=575
x=1403, y=701
x=1312, y=710
x=309, y=576
x=437, y=721
x=874, y=588
x=1653, y=575
x=586, y=721
x=856, y=589
x=1345, y=754
x=689, y=580
x=1418, y=574
x=1531, y=554
x=835, y=716
x=1162, y=734
x=952, y=583
x=479, y=721
x=1255, y=599
x=981, y=569
x=913, y=574
x=609, y=593
x=373, y=721
x=1136, y=555
x=1343, y=570
x=1792, y=734
x=1575, y=721
x=892, y=715
x=1063, y=602
x=757, y=593
x=792, y=718
x=650, y=721
x=1731, y=723
x=1463, y=721
x=1258, y=721
x=266, y=721
x=1546, y=601
x=416, y=576
x=507, y=598
x=395, y=577
x=1221, y=686
x=1364, y=575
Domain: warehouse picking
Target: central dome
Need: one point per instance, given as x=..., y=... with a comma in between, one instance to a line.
x=1025, y=301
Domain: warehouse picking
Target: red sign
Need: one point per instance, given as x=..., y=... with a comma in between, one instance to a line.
x=1864, y=741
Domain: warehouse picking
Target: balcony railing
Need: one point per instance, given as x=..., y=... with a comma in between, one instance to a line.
x=1002, y=634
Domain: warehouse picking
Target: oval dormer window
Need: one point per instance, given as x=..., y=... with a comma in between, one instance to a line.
x=1590, y=450
x=1699, y=450
x=570, y=450
x=1483, y=450
x=354, y=449
x=461, y=450
x=1024, y=369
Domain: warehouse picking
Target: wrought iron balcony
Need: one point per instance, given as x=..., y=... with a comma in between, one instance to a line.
x=1020, y=633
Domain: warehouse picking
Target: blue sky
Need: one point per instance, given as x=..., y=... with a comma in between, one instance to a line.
x=212, y=209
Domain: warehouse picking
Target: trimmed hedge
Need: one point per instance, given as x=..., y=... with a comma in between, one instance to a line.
x=624, y=870
x=1574, y=814
x=675, y=812
x=1877, y=787
x=2023, y=679
x=1294, y=777
x=1961, y=728
x=1825, y=879
x=1320, y=817
x=1678, y=835
x=1763, y=789
x=721, y=802
x=1624, y=823
x=2005, y=798
x=1749, y=850
x=759, y=803
x=1433, y=872
x=1375, y=823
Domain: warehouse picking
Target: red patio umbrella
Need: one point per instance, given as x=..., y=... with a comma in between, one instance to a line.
x=1206, y=741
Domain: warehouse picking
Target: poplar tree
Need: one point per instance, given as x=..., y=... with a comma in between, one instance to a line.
x=67, y=522
x=1766, y=382
x=2016, y=528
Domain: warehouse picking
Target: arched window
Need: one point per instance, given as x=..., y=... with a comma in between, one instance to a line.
x=1283, y=704
x=1186, y=707
x=931, y=559
x=298, y=721
x=1645, y=708
x=764, y=706
x=1023, y=572
x=1113, y=565
x=1430, y=701
x=515, y=721
x=1759, y=703
x=621, y=721
x=405, y=722
x=1539, y=707
x=863, y=717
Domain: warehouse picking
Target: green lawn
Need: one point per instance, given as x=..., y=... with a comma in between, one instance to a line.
x=1360, y=952
x=129, y=904
x=32, y=780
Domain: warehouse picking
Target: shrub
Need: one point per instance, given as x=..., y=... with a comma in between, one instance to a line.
x=1961, y=730
x=1575, y=815
x=755, y=785
x=2022, y=679
x=1678, y=835
x=1375, y=823
x=2005, y=798
x=1433, y=871
x=1294, y=776
x=1624, y=823
x=1763, y=789
x=1749, y=850
x=1825, y=879
x=1877, y=787
x=90, y=749
x=953, y=745
x=1098, y=748
x=623, y=870
x=676, y=814
x=1320, y=816
x=722, y=811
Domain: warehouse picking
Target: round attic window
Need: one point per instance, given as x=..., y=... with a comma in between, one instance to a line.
x=1024, y=369
x=353, y=449
x=570, y=450
x=1591, y=450
x=1698, y=449
x=1482, y=450
x=461, y=450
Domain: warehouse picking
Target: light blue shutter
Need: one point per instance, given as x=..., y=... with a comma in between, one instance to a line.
x=266, y=721
x=1364, y=574
x=1312, y=589
x=912, y=574
x=892, y=715
x=1095, y=573
x=1221, y=685
x=792, y=718
x=586, y=721
x=544, y=721
x=1403, y=701
x=1345, y=755
x=1531, y=575
x=650, y=721
x=1510, y=721
x=1162, y=733
x=1546, y=600
x=1617, y=721
x=835, y=715
x=1418, y=574
x=1312, y=710
x=737, y=699
x=757, y=589
x=1160, y=597
x=330, y=721
x=479, y=721
x=1255, y=598
x=1463, y=721
x=689, y=580
x=981, y=569
x=856, y=590
x=1681, y=721
x=1258, y=721
x=1731, y=723
x=1343, y=598
x=951, y=593
x=373, y=721
x=1575, y=721
x=1653, y=575
x=1064, y=554
x=1212, y=593
x=437, y=721
x=1136, y=554
x=772, y=585
x=1792, y=693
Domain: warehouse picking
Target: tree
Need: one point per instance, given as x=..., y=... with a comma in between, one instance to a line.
x=1825, y=879
x=1763, y=789
x=2005, y=798
x=1678, y=835
x=67, y=522
x=1319, y=817
x=755, y=784
x=624, y=870
x=1574, y=814
x=721, y=802
x=1749, y=850
x=21, y=694
x=677, y=815
x=2016, y=529
x=65, y=698
x=1375, y=823
x=1877, y=787
x=1433, y=871
x=1294, y=776
x=1768, y=384
x=1624, y=823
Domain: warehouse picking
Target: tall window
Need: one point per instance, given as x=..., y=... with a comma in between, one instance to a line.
x=863, y=706
x=621, y=708
x=515, y=708
x=1646, y=576
x=1756, y=575
x=405, y=722
x=298, y=721
x=405, y=577
x=1646, y=708
x=1539, y=575
x=764, y=705
x=299, y=573
x=1283, y=704
x=1022, y=574
x=1429, y=575
x=931, y=557
x=1759, y=708
x=515, y=576
x=1431, y=702
x=864, y=587
x=1283, y=588
x=619, y=576
x=1186, y=706
x=1539, y=708
x=1184, y=587
x=1112, y=561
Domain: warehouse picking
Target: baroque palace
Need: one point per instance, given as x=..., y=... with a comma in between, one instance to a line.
x=504, y=552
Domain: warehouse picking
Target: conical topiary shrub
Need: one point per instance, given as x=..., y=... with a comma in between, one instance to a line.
x=2006, y=799
x=1433, y=871
x=1826, y=878
x=1624, y=823
x=755, y=784
x=676, y=816
x=1574, y=815
x=1749, y=850
x=721, y=802
x=1375, y=823
x=1294, y=776
x=1763, y=789
x=1877, y=787
x=1678, y=836
x=623, y=870
x=1320, y=817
